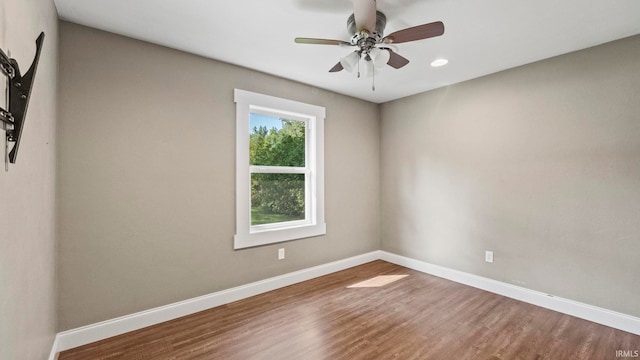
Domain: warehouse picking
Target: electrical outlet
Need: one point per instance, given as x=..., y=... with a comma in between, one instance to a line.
x=488, y=256
x=281, y=254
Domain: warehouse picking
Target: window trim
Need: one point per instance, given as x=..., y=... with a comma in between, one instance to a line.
x=314, y=223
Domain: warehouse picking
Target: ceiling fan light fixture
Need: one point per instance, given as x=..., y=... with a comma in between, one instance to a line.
x=350, y=61
x=439, y=62
x=380, y=57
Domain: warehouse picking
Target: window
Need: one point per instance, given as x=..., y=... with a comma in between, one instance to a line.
x=279, y=170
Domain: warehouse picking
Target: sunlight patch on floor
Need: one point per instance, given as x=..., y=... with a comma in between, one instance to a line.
x=378, y=281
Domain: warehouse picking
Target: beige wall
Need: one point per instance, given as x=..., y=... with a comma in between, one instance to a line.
x=27, y=191
x=540, y=164
x=147, y=168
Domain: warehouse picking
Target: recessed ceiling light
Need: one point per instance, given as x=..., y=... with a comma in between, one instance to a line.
x=439, y=62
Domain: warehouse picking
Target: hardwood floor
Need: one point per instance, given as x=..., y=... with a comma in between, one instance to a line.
x=416, y=317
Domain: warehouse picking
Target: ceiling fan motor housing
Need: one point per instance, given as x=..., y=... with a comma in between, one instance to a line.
x=381, y=22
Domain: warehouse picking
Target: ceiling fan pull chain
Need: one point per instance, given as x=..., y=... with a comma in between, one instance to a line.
x=373, y=83
x=358, y=68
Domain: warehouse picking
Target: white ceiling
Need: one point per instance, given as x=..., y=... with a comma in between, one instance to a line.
x=481, y=37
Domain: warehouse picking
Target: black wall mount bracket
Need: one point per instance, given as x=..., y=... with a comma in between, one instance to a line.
x=19, y=93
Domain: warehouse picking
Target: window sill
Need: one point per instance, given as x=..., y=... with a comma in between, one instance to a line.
x=265, y=237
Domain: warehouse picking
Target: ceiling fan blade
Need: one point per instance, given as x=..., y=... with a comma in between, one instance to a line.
x=336, y=68
x=419, y=32
x=395, y=60
x=364, y=12
x=321, y=41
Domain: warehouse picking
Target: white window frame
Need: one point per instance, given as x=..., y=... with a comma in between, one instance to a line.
x=313, y=224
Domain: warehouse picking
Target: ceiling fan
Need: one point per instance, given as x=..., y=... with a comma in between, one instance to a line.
x=366, y=25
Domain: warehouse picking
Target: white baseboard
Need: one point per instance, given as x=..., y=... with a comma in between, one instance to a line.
x=53, y=355
x=87, y=334
x=584, y=311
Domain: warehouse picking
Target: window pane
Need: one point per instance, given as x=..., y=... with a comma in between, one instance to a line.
x=276, y=142
x=277, y=198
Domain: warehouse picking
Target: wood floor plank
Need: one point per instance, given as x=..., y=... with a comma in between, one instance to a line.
x=416, y=317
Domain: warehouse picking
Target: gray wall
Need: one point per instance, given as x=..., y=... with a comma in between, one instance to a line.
x=540, y=164
x=27, y=191
x=147, y=192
